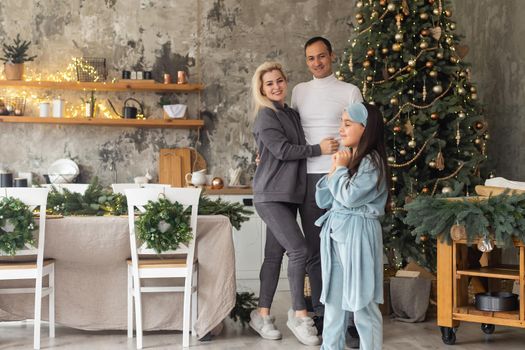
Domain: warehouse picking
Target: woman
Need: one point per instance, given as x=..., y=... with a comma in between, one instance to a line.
x=279, y=187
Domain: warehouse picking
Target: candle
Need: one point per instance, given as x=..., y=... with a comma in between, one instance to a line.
x=20, y=182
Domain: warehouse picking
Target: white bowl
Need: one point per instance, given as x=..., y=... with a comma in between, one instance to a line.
x=175, y=111
x=61, y=178
x=63, y=171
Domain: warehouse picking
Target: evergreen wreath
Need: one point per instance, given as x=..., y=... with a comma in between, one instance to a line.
x=499, y=217
x=16, y=225
x=164, y=225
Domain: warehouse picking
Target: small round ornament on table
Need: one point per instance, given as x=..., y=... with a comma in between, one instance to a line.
x=217, y=183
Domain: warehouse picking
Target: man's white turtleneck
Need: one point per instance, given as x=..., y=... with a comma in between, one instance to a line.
x=320, y=103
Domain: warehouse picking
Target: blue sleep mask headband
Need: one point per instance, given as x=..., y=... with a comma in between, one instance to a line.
x=357, y=112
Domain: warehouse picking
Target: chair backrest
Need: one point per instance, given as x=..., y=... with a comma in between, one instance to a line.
x=122, y=187
x=36, y=199
x=155, y=186
x=138, y=198
x=76, y=188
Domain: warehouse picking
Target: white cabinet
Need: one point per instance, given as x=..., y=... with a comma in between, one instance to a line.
x=249, y=248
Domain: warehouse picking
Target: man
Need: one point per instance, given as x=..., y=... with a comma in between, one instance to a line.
x=320, y=103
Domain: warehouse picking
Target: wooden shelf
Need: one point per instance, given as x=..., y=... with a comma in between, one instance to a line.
x=229, y=191
x=102, y=86
x=509, y=272
x=139, y=123
x=503, y=318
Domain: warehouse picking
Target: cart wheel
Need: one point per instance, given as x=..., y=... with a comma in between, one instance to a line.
x=487, y=328
x=448, y=335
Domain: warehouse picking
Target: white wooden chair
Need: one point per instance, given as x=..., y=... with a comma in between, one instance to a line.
x=139, y=268
x=122, y=187
x=148, y=185
x=74, y=188
x=34, y=198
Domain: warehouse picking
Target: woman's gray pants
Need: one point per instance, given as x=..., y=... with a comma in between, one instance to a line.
x=282, y=235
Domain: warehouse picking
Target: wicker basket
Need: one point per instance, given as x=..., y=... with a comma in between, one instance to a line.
x=91, y=69
x=12, y=105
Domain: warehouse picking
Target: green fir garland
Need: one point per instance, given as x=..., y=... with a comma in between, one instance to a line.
x=164, y=225
x=16, y=225
x=234, y=211
x=499, y=217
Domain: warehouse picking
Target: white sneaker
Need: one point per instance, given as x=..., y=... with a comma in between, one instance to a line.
x=264, y=325
x=303, y=328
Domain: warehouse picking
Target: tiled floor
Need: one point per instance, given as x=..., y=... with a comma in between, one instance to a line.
x=397, y=336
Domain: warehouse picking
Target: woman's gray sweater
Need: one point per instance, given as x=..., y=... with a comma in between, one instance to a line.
x=281, y=173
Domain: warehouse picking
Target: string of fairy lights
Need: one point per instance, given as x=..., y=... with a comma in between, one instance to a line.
x=69, y=74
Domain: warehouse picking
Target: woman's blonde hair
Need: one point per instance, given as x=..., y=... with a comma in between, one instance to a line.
x=259, y=100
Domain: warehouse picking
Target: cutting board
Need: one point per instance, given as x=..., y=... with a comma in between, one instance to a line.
x=174, y=164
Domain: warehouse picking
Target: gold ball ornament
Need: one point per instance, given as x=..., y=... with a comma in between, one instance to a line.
x=423, y=16
x=434, y=116
x=384, y=50
x=433, y=73
x=397, y=129
x=474, y=96
x=452, y=26
x=359, y=4
x=462, y=74
x=472, y=89
x=391, y=70
x=412, y=143
x=435, y=11
x=462, y=115
x=486, y=136
x=479, y=125
x=398, y=37
x=369, y=78
x=394, y=101
x=477, y=141
x=374, y=15
x=432, y=164
x=391, y=7
x=425, y=32
x=370, y=52
x=360, y=21
x=402, y=152
x=382, y=2
x=425, y=190
x=446, y=190
x=423, y=45
x=396, y=47
x=440, y=55
x=429, y=64
x=453, y=59
x=461, y=91
x=412, y=63
x=437, y=89
x=391, y=159
x=448, y=13
x=410, y=92
x=366, y=63
x=358, y=16
x=449, y=40
x=217, y=183
x=394, y=178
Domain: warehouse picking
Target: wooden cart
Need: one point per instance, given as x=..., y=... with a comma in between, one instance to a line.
x=452, y=283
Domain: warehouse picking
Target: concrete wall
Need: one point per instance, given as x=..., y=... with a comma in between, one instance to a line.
x=228, y=39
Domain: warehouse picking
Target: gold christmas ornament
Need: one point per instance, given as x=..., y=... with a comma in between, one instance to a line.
x=394, y=101
x=434, y=116
x=358, y=16
x=448, y=13
x=396, y=47
x=461, y=91
x=432, y=164
x=429, y=64
x=391, y=70
x=370, y=52
x=394, y=178
x=384, y=50
x=398, y=37
x=412, y=143
x=452, y=26
x=453, y=59
x=474, y=96
x=477, y=141
x=360, y=21
x=449, y=40
x=391, y=159
x=425, y=190
x=433, y=73
x=425, y=32
x=366, y=64
x=391, y=7
x=359, y=4
x=423, y=16
x=412, y=63
x=437, y=89
x=462, y=74
x=382, y=2
x=458, y=232
x=369, y=78
x=435, y=11
x=440, y=55
x=472, y=89
x=486, y=136
x=374, y=15
x=461, y=115
x=446, y=190
x=423, y=45
x=217, y=183
x=402, y=152
x=479, y=125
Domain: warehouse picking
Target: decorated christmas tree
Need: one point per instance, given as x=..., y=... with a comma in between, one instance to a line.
x=406, y=58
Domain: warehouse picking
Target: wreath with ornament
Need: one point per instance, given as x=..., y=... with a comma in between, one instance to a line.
x=164, y=225
x=16, y=225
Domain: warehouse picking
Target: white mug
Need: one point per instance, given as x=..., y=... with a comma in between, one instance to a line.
x=58, y=108
x=45, y=109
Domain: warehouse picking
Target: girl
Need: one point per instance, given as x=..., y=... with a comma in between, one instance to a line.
x=355, y=191
x=279, y=187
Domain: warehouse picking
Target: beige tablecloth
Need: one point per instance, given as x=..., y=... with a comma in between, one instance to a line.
x=91, y=277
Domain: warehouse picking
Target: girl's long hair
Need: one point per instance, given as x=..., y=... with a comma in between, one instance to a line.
x=372, y=143
x=259, y=100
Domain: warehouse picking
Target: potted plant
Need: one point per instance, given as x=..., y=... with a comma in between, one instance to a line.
x=14, y=57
